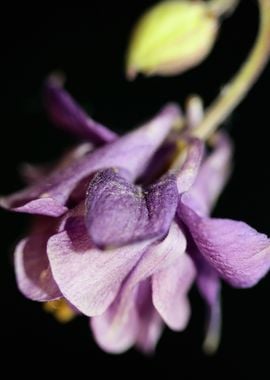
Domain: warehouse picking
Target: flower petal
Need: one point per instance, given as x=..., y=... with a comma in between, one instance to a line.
x=157, y=257
x=134, y=290
x=119, y=213
x=33, y=274
x=212, y=176
x=188, y=172
x=32, y=174
x=115, y=338
x=209, y=286
x=239, y=253
x=66, y=113
x=140, y=324
x=150, y=323
x=170, y=288
x=132, y=152
x=89, y=278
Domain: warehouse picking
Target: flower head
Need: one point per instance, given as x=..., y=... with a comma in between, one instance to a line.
x=172, y=37
x=122, y=249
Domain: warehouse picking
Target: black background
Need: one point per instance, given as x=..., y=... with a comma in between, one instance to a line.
x=88, y=44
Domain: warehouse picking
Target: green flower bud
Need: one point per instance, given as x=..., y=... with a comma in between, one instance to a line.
x=171, y=37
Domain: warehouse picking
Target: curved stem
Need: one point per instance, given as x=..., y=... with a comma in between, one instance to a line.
x=236, y=90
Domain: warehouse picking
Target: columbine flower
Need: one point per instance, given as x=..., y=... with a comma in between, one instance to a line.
x=124, y=250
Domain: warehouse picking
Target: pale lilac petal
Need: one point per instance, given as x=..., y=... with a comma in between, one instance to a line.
x=170, y=288
x=239, y=253
x=157, y=257
x=151, y=325
x=66, y=113
x=212, y=176
x=33, y=274
x=188, y=172
x=132, y=152
x=209, y=286
x=115, y=330
x=139, y=325
x=32, y=174
x=119, y=213
x=45, y=205
x=89, y=278
x=115, y=338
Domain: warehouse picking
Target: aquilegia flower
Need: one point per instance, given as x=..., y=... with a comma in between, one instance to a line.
x=122, y=230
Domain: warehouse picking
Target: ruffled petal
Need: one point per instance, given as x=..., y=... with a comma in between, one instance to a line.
x=157, y=257
x=32, y=174
x=66, y=113
x=212, y=176
x=150, y=323
x=33, y=274
x=89, y=278
x=114, y=338
x=238, y=252
x=139, y=325
x=127, y=320
x=132, y=152
x=170, y=288
x=188, y=172
x=209, y=286
x=119, y=213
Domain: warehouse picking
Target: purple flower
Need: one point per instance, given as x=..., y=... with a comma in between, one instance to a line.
x=122, y=228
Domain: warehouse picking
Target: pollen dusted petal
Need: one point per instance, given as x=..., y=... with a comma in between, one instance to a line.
x=119, y=213
x=64, y=112
x=238, y=252
x=88, y=277
x=131, y=152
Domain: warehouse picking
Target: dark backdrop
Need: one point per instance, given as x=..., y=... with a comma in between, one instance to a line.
x=88, y=44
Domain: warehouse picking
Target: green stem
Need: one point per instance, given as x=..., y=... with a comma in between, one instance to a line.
x=237, y=89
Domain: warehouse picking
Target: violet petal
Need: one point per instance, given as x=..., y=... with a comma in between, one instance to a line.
x=117, y=329
x=212, y=176
x=157, y=257
x=150, y=323
x=238, y=252
x=209, y=286
x=139, y=324
x=132, y=152
x=170, y=288
x=33, y=274
x=188, y=172
x=89, y=278
x=115, y=338
x=64, y=112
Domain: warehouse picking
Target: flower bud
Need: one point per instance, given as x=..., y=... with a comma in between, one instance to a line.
x=171, y=37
